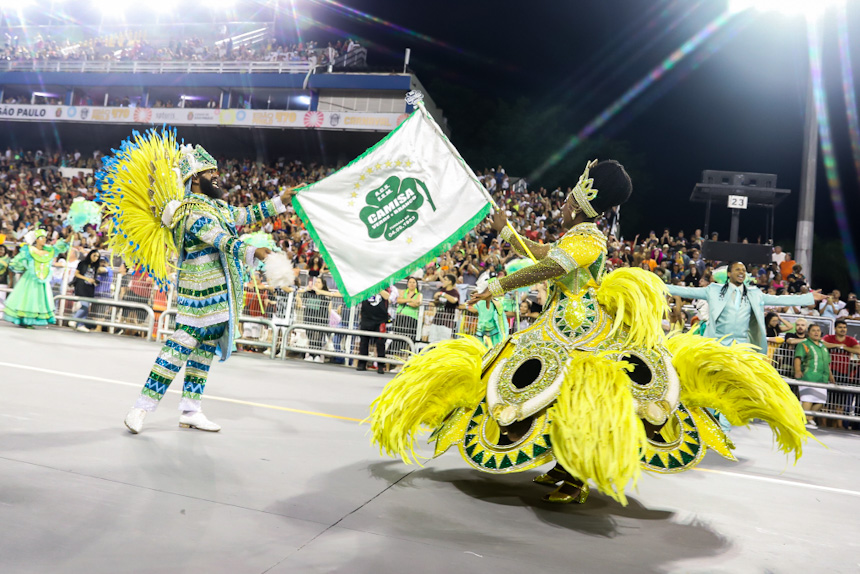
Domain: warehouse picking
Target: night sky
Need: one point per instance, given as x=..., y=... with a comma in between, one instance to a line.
x=741, y=108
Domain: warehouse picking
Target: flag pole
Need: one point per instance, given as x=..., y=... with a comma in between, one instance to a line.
x=416, y=99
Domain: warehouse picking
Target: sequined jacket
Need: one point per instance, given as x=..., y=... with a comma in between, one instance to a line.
x=212, y=261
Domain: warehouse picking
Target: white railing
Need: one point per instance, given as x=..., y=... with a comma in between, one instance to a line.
x=166, y=67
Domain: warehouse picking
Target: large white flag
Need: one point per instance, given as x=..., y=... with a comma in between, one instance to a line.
x=394, y=208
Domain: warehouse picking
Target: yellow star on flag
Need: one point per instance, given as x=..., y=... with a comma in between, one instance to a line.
x=362, y=178
x=354, y=195
x=351, y=203
x=357, y=185
x=388, y=164
x=408, y=240
x=408, y=163
x=397, y=163
x=370, y=170
x=378, y=166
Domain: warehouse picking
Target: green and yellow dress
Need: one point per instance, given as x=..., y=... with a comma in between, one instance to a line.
x=32, y=302
x=593, y=383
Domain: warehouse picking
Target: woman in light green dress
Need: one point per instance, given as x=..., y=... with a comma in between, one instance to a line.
x=32, y=302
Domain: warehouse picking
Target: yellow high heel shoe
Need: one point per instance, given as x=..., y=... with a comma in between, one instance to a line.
x=559, y=497
x=551, y=478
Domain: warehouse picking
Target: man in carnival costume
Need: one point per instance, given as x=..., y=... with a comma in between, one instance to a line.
x=186, y=211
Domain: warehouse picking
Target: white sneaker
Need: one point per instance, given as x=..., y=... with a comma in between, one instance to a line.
x=811, y=425
x=134, y=420
x=308, y=357
x=82, y=328
x=198, y=421
x=319, y=359
x=73, y=324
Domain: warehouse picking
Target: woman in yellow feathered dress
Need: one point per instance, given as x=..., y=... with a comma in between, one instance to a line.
x=593, y=384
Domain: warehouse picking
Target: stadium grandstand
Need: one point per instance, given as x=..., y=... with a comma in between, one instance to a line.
x=69, y=85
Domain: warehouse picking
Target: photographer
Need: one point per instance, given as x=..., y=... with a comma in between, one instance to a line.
x=85, y=284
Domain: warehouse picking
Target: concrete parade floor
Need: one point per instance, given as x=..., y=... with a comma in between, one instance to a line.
x=292, y=485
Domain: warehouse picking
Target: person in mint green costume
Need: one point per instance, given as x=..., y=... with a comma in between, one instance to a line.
x=492, y=323
x=31, y=303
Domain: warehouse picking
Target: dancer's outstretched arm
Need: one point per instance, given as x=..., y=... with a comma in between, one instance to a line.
x=544, y=270
x=520, y=244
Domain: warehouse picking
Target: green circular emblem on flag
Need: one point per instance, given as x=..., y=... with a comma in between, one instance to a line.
x=392, y=208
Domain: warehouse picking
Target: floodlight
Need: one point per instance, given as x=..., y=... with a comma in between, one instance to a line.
x=108, y=8
x=808, y=8
x=162, y=5
x=303, y=100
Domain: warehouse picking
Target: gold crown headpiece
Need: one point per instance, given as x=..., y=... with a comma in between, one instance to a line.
x=583, y=193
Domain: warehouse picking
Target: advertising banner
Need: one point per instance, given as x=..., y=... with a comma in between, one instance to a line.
x=347, y=121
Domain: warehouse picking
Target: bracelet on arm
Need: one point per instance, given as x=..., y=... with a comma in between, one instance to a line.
x=506, y=234
x=494, y=286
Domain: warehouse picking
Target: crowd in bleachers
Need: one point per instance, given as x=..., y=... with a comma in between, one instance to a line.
x=132, y=47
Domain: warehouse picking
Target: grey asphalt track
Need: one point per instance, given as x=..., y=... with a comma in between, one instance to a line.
x=284, y=491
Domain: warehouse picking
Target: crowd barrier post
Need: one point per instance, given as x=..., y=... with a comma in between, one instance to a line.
x=147, y=328
x=350, y=332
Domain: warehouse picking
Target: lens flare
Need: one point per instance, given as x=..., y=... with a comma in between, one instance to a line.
x=830, y=167
x=686, y=48
x=848, y=86
x=359, y=15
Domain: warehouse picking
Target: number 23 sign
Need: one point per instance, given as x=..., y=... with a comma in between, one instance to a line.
x=738, y=201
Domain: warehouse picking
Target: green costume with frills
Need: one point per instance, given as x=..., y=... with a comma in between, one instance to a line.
x=32, y=302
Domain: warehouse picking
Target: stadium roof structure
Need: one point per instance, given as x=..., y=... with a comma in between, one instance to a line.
x=759, y=189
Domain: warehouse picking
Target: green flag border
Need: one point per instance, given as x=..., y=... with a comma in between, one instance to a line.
x=404, y=271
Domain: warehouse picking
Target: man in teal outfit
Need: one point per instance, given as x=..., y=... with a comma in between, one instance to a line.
x=736, y=310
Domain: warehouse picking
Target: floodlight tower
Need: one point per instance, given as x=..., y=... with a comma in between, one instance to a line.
x=812, y=10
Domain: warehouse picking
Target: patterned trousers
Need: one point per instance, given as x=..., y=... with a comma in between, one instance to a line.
x=190, y=346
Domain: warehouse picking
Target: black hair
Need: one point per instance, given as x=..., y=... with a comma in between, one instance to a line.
x=612, y=183
x=452, y=278
x=85, y=263
x=840, y=321
x=743, y=284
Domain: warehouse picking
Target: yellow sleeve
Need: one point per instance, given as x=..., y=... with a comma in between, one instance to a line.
x=574, y=251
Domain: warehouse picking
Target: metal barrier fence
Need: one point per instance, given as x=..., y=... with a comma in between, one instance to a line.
x=146, y=326
x=352, y=336
x=319, y=324
x=839, y=400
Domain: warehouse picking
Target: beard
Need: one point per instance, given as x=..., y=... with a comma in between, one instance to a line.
x=210, y=188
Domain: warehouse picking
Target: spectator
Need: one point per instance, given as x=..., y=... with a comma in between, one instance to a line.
x=408, y=303
x=787, y=266
x=449, y=299
x=777, y=256
x=374, y=317
x=845, y=364
x=851, y=310
x=812, y=363
x=315, y=303
x=832, y=305
x=4, y=273
x=86, y=279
